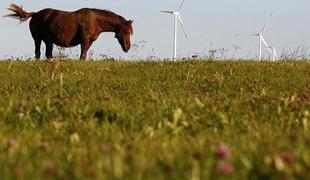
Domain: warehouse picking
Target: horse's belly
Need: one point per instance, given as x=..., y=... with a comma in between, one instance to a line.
x=65, y=37
x=64, y=33
x=66, y=43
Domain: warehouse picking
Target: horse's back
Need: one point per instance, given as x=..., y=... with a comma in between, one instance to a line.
x=49, y=14
x=59, y=27
x=64, y=28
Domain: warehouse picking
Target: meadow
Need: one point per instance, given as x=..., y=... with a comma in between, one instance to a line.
x=154, y=120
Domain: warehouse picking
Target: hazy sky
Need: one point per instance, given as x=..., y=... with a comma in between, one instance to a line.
x=211, y=24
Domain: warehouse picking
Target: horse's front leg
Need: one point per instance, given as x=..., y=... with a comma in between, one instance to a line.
x=83, y=55
x=85, y=45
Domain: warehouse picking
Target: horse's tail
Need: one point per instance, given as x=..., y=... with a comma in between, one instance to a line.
x=19, y=13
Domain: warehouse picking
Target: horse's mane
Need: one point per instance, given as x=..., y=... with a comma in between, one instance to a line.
x=131, y=30
x=108, y=13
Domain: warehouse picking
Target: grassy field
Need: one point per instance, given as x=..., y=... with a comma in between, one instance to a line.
x=154, y=120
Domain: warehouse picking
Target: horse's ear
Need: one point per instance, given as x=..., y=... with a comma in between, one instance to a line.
x=129, y=25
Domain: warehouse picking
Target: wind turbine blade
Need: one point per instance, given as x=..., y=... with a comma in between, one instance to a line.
x=267, y=46
x=181, y=22
x=277, y=57
x=170, y=12
x=246, y=35
x=275, y=53
x=265, y=25
x=181, y=5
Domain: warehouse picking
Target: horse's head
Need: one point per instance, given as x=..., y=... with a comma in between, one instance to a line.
x=123, y=34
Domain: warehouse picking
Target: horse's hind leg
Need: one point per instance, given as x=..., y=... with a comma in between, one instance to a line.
x=38, y=48
x=49, y=50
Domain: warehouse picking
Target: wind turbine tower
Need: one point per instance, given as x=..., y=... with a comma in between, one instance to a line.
x=177, y=19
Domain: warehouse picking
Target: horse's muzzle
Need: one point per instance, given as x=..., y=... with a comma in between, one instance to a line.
x=125, y=49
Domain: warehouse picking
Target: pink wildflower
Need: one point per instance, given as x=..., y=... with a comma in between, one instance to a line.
x=105, y=148
x=12, y=144
x=223, y=151
x=51, y=169
x=288, y=158
x=224, y=167
x=46, y=147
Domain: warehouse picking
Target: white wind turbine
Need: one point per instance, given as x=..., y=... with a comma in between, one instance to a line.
x=261, y=39
x=177, y=18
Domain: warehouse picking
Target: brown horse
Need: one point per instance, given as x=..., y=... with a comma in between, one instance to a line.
x=67, y=29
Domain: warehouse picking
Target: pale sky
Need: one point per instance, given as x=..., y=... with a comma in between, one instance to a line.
x=207, y=22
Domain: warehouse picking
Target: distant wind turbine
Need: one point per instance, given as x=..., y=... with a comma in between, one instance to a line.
x=261, y=39
x=177, y=18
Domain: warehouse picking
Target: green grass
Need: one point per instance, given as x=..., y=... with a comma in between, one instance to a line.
x=154, y=120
